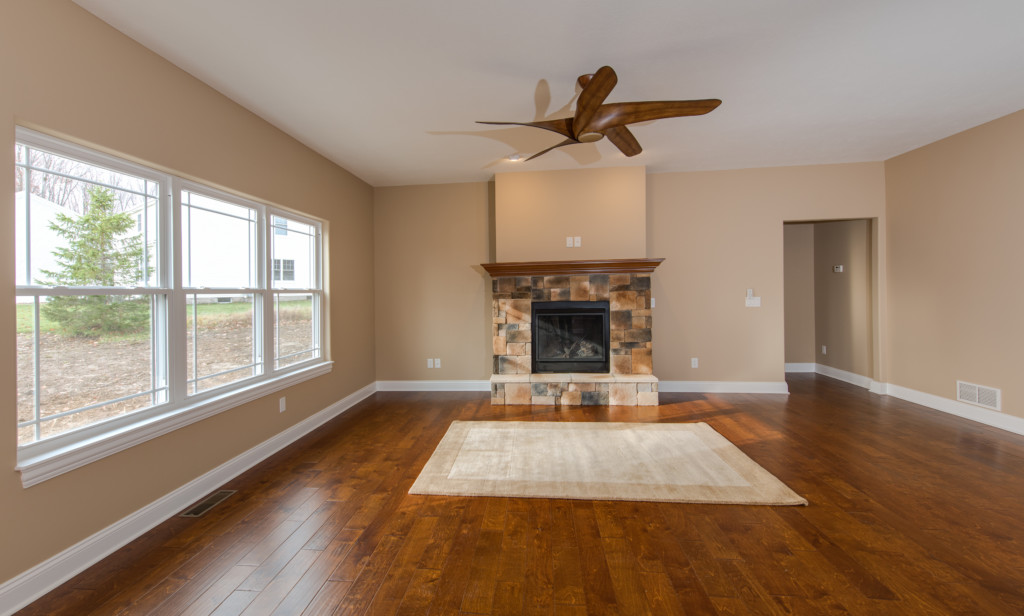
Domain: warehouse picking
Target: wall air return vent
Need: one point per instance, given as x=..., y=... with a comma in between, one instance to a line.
x=988, y=397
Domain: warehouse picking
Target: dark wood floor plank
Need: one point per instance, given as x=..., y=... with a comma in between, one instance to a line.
x=235, y=604
x=420, y=593
x=598, y=590
x=326, y=601
x=207, y=602
x=538, y=585
x=271, y=595
x=314, y=578
x=911, y=512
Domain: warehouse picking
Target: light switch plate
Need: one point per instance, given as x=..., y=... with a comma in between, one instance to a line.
x=753, y=302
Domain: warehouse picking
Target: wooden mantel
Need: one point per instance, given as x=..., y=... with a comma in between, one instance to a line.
x=567, y=268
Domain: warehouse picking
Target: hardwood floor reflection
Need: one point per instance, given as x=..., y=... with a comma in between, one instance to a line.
x=911, y=512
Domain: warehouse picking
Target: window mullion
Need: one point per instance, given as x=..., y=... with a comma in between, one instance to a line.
x=265, y=253
x=175, y=327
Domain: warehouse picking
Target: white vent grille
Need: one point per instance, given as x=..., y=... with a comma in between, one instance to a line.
x=988, y=397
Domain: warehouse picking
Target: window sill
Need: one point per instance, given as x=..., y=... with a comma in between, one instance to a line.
x=37, y=464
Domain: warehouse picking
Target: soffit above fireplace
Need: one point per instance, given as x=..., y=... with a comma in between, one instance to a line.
x=567, y=268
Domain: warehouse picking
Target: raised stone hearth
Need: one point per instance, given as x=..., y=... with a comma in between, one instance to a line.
x=624, y=284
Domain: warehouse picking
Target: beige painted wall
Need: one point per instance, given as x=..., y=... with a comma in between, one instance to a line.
x=56, y=64
x=721, y=233
x=798, y=276
x=433, y=298
x=956, y=218
x=843, y=301
x=535, y=211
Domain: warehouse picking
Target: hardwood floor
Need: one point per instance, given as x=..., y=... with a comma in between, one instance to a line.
x=911, y=512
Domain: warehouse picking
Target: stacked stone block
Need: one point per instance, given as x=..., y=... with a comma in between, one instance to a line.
x=629, y=298
x=630, y=382
x=575, y=389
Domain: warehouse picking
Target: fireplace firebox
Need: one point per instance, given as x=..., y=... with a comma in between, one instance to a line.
x=570, y=337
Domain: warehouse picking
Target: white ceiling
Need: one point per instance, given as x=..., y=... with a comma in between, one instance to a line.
x=390, y=89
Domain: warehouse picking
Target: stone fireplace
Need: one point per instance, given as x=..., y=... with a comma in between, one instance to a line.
x=578, y=290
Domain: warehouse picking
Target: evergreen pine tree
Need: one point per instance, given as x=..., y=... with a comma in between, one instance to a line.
x=99, y=252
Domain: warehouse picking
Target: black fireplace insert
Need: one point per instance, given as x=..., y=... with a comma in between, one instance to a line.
x=570, y=337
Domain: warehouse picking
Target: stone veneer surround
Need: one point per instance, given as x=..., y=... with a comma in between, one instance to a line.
x=631, y=381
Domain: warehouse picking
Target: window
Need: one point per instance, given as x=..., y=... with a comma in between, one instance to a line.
x=142, y=295
x=284, y=269
x=280, y=226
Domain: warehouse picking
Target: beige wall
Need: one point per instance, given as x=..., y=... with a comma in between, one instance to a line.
x=721, y=233
x=798, y=276
x=535, y=211
x=67, y=73
x=956, y=218
x=433, y=298
x=843, y=300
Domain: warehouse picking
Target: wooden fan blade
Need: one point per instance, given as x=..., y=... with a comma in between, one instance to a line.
x=623, y=139
x=568, y=141
x=620, y=114
x=562, y=126
x=595, y=90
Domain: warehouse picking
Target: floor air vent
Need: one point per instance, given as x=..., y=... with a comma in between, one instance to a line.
x=207, y=503
x=988, y=397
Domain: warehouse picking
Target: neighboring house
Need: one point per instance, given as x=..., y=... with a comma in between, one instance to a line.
x=43, y=237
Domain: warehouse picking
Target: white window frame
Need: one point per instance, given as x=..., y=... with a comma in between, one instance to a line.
x=63, y=452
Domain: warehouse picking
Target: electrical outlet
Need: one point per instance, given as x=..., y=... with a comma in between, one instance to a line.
x=437, y=362
x=281, y=404
x=568, y=241
x=430, y=362
x=577, y=242
x=694, y=362
x=824, y=350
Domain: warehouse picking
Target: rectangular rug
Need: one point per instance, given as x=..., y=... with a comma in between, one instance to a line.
x=679, y=462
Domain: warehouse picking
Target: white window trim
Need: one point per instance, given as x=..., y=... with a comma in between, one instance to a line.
x=64, y=452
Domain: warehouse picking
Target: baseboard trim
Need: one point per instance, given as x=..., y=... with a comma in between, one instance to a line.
x=995, y=419
x=28, y=586
x=843, y=375
x=724, y=387
x=801, y=367
x=466, y=385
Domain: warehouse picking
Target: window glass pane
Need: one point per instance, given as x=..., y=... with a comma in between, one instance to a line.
x=21, y=221
x=294, y=328
x=280, y=225
x=95, y=361
x=294, y=256
x=25, y=324
x=219, y=340
x=219, y=243
x=76, y=231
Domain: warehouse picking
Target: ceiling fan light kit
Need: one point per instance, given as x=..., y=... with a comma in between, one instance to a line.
x=594, y=119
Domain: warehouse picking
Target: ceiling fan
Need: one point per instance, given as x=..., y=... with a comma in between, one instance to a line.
x=595, y=119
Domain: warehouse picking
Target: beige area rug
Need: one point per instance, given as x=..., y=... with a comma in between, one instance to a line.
x=687, y=463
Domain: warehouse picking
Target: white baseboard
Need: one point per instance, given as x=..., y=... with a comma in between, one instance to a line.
x=28, y=586
x=801, y=367
x=1010, y=423
x=724, y=387
x=466, y=385
x=848, y=377
x=995, y=419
